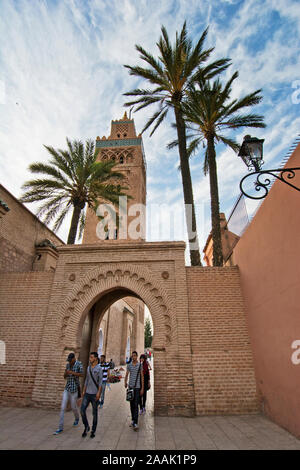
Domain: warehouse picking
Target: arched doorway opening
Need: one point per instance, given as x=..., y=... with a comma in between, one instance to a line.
x=115, y=326
x=96, y=292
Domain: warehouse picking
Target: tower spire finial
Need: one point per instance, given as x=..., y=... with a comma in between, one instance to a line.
x=125, y=118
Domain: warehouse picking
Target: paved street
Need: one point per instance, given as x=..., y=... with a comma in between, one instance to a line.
x=32, y=428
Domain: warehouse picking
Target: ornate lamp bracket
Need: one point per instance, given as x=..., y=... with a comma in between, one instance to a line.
x=263, y=180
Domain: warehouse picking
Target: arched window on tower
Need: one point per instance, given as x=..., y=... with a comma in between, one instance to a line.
x=121, y=159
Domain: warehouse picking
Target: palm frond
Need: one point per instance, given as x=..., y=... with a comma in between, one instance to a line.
x=61, y=218
x=61, y=159
x=208, y=108
x=251, y=99
x=147, y=102
x=142, y=92
x=50, y=203
x=74, y=176
x=147, y=57
x=148, y=74
x=49, y=170
x=172, y=144
x=193, y=146
x=230, y=142
x=34, y=195
x=43, y=184
x=247, y=120
x=209, y=71
x=151, y=120
x=49, y=212
x=159, y=121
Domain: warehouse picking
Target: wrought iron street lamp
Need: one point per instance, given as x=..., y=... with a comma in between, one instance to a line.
x=251, y=153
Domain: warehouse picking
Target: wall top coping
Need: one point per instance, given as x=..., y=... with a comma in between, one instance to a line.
x=213, y=268
x=121, y=246
x=46, y=249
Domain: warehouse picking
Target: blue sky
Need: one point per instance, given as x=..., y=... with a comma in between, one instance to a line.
x=62, y=74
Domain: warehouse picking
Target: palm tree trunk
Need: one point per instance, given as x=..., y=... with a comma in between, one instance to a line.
x=187, y=190
x=74, y=225
x=214, y=201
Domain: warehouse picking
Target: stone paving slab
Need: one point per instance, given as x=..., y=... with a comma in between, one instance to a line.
x=32, y=429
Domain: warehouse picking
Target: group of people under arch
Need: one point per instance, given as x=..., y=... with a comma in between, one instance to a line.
x=137, y=381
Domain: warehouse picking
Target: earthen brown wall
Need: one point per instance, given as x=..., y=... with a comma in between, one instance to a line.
x=113, y=335
x=19, y=231
x=268, y=258
x=203, y=361
x=24, y=299
x=223, y=371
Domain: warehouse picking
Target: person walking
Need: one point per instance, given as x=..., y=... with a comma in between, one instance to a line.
x=146, y=372
x=105, y=377
x=111, y=364
x=71, y=393
x=136, y=382
x=91, y=393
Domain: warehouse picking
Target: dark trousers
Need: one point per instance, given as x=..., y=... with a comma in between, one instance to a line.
x=134, y=406
x=143, y=398
x=87, y=399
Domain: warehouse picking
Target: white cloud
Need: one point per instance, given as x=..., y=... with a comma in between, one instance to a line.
x=63, y=75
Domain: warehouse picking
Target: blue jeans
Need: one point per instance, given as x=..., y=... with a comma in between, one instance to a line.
x=134, y=406
x=102, y=393
x=73, y=400
x=87, y=399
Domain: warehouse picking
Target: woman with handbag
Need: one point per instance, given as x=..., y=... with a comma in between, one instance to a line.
x=135, y=389
x=146, y=372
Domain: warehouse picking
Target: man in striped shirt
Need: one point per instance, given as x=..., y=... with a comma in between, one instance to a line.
x=73, y=371
x=136, y=382
x=106, y=374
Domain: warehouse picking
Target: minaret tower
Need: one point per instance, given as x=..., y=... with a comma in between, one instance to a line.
x=126, y=148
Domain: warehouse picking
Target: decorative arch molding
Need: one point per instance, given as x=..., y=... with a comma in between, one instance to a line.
x=103, y=279
x=116, y=154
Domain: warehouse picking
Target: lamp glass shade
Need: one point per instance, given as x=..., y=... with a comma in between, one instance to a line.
x=251, y=151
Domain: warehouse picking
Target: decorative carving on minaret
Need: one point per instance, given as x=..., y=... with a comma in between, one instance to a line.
x=120, y=156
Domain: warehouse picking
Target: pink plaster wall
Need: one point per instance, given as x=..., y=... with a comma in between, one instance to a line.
x=268, y=256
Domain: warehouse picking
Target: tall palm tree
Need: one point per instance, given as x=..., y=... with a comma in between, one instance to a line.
x=208, y=106
x=171, y=74
x=73, y=178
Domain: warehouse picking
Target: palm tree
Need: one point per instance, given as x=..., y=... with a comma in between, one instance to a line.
x=176, y=68
x=73, y=178
x=208, y=106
